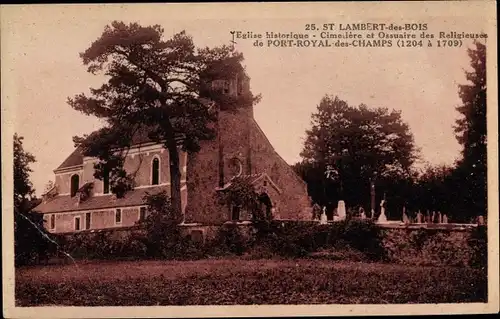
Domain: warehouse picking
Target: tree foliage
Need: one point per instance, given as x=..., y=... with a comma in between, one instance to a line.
x=163, y=85
x=347, y=146
x=471, y=133
x=162, y=233
x=30, y=237
x=242, y=194
x=23, y=188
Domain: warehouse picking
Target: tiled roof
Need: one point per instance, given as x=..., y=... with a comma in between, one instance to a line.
x=251, y=179
x=75, y=158
x=67, y=203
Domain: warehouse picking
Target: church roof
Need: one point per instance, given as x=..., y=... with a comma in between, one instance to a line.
x=251, y=179
x=66, y=203
x=74, y=159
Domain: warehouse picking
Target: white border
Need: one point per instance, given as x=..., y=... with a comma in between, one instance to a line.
x=305, y=11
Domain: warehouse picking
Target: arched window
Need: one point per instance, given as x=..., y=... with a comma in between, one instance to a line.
x=75, y=184
x=155, y=172
x=106, y=182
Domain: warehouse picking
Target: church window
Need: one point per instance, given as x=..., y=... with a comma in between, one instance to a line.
x=87, y=220
x=106, y=182
x=118, y=216
x=155, y=171
x=77, y=223
x=221, y=85
x=226, y=87
x=235, y=213
x=75, y=184
x=52, y=221
x=142, y=213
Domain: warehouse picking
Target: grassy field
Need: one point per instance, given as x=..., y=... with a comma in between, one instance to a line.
x=235, y=281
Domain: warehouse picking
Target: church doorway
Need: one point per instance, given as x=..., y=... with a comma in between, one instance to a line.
x=265, y=201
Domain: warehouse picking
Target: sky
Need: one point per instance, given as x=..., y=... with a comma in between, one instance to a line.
x=42, y=46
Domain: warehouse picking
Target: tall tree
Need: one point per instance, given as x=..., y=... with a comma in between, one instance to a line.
x=350, y=145
x=470, y=132
x=164, y=85
x=23, y=188
x=29, y=234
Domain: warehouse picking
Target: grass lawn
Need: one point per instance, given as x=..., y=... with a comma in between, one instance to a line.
x=236, y=281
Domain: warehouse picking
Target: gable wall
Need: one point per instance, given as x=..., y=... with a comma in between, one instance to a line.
x=138, y=163
x=294, y=201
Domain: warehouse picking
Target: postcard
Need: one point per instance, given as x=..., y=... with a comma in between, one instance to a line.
x=249, y=159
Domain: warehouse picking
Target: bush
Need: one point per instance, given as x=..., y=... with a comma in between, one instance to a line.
x=361, y=235
x=299, y=239
x=32, y=243
x=289, y=239
x=229, y=240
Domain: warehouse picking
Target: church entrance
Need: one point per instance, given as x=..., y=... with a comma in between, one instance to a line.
x=265, y=201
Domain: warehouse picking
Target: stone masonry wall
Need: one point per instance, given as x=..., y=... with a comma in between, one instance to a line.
x=244, y=140
x=100, y=219
x=294, y=201
x=427, y=247
x=203, y=169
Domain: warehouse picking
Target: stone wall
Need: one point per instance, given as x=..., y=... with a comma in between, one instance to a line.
x=294, y=201
x=243, y=140
x=100, y=219
x=63, y=180
x=428, y=246
x=203, y=169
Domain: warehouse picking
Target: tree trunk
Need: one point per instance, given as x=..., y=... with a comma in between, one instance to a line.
x=175, y=179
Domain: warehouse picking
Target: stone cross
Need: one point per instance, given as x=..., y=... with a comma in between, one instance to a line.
x=382, y=218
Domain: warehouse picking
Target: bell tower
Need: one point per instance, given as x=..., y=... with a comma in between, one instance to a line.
x=233, y=127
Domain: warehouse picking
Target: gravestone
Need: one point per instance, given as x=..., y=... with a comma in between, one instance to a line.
x=382, y=218
x=419, y=218
x=480, y=220
x=316, y=212
x=406, y=220
x=323, y=219
x=341, y=213
x=445, y=219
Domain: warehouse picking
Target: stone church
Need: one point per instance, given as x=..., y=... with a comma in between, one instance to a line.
x=241, y=150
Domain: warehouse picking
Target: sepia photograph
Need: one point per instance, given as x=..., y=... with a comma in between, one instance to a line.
x=321, y=155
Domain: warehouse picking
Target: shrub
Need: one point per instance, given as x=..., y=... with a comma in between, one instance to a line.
x=229, y=240
x=32, y=243
x=162, y=234
x=361, y=235
x=298, y=239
